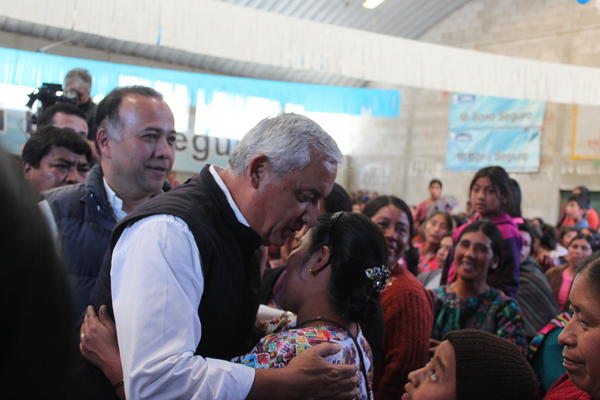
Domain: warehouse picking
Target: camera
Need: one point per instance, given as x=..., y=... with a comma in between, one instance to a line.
x=49, y=94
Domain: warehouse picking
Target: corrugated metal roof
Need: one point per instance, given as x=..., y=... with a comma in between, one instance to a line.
x=403, y=18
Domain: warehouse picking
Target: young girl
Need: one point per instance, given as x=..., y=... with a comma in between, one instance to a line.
x=491, y=196
x=560, y=278
x=431, y=280
x=436, y=227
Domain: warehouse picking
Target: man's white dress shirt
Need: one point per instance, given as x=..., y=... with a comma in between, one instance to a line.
x=115, y=201
x=157, y=284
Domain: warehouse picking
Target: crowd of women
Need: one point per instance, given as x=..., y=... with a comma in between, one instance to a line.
x=477, y=308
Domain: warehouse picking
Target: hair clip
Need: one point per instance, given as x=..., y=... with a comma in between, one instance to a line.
x=378, y=275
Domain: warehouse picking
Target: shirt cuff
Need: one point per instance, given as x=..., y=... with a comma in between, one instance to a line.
x=242, y=377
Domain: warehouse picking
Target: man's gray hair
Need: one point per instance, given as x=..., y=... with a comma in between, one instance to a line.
x=79, y=78
x=290, y=141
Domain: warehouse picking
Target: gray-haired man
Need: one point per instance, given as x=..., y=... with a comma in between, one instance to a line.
x=184, y=290
x=79, y=80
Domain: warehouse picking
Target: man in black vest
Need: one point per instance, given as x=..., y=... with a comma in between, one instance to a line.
x=183, y=289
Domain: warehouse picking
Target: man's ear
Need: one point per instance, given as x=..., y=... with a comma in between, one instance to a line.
x=27, y=168
x=257, y=168
x=103, y=142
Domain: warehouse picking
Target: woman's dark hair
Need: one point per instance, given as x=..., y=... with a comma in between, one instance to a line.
x=355, y=244
x=525, y=227
x=591, y=265
x=35, y=295
x=491, y=231
x=547, y=237
x=371, y=208
x=501, y=182
x=458, y=220
x=516, y=192
x=539, y=220
x=338, y=200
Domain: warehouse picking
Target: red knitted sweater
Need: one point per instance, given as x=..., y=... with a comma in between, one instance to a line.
x=564, y=389
x=408, y=320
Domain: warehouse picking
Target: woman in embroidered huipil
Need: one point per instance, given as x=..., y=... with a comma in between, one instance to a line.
x=469, y=302
x=332, y=284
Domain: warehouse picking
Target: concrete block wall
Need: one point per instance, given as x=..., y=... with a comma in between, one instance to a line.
x=549, y=30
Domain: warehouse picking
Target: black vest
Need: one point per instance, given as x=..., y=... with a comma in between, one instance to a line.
x=231, y=278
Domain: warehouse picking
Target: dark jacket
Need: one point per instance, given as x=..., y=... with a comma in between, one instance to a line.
x=84, y=219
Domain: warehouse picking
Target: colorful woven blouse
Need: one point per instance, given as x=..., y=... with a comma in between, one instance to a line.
x=277, y=350
x=491, y=311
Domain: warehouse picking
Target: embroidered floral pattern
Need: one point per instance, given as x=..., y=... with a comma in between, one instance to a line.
x=277, y=350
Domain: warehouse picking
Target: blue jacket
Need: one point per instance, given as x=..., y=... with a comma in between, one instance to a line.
x=85, y=220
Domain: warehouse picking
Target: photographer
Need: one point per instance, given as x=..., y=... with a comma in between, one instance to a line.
x=80, y=81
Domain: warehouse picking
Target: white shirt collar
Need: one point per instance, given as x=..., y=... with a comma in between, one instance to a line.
x=115, y=201
x=234, y=207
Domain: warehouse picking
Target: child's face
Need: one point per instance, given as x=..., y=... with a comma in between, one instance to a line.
x=445, y=247
x=484, y=197
x=435, y=191
x=574, y=211
x=526, y=249
x=437, y=379
x=567, y=237
x=436, y=228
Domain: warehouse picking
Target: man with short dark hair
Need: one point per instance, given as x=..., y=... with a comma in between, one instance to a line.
x=54, y=157
x=136, y=138
x=64, y=115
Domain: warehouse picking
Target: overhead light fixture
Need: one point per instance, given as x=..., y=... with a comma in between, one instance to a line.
x=371, y=4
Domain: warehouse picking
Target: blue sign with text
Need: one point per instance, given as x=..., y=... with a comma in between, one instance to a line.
x=485, y=131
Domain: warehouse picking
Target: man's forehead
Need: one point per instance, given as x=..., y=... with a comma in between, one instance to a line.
x=63, y=152
x=140, y=106
x=64, y=120
x=319, y=175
